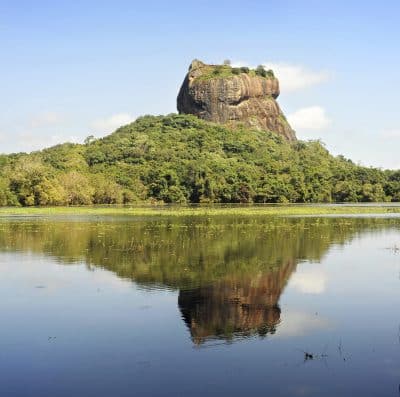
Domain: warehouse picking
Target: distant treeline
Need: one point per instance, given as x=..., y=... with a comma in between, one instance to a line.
x=182, y=159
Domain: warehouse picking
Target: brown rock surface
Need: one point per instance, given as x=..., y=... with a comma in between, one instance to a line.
x=226, y=95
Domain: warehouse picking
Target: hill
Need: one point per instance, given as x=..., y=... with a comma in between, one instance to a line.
x=183, y=159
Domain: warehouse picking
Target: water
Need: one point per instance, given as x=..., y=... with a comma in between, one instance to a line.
x=197, y=306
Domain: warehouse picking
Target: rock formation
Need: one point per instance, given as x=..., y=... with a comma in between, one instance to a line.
x=226, y=95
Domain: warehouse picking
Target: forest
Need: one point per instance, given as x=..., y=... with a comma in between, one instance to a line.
x=182, y=159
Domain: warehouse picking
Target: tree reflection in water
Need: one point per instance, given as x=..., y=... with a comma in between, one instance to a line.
x=230, y=272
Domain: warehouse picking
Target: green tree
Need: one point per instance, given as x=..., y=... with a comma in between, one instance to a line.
x=106, y=191
x=260, y=70
x=77, y=188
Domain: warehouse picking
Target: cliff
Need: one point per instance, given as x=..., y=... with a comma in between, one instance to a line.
x=227, y=95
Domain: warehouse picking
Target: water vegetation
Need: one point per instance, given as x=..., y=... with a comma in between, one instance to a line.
x=204, y=210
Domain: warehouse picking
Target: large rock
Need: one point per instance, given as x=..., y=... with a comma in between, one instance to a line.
x=228, y=95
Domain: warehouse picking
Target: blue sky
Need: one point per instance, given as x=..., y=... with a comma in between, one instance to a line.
x=73, y=69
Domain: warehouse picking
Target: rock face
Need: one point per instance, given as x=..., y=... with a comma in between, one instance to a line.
x=226, y=95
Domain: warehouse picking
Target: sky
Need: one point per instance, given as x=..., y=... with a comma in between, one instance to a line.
x=72, y=69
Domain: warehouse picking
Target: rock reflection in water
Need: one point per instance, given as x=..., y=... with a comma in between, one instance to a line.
x=235, y=308
x=230, y=272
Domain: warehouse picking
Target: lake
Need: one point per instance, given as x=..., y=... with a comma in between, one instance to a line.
x=200, y=306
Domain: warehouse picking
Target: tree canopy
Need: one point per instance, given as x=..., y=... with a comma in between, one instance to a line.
x=182, y=159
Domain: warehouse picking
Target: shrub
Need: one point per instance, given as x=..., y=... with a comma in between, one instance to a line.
x=270, y=73
x=216, y=71
x=260, y=71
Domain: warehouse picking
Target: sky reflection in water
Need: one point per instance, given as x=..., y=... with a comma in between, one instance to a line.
x=295, y=306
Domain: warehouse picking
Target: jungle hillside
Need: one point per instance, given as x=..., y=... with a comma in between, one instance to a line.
x=183, y=159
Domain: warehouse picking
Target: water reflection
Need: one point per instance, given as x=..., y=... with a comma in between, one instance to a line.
x=230, y=273
x=235, y=307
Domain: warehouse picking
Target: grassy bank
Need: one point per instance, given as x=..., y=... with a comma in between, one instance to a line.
x=256, y=210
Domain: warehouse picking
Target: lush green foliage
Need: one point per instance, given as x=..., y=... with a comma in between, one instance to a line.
x=226, y=70
x=260, y=71
x=181, y=159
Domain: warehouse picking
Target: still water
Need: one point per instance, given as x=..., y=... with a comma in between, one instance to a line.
x=200, y=306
